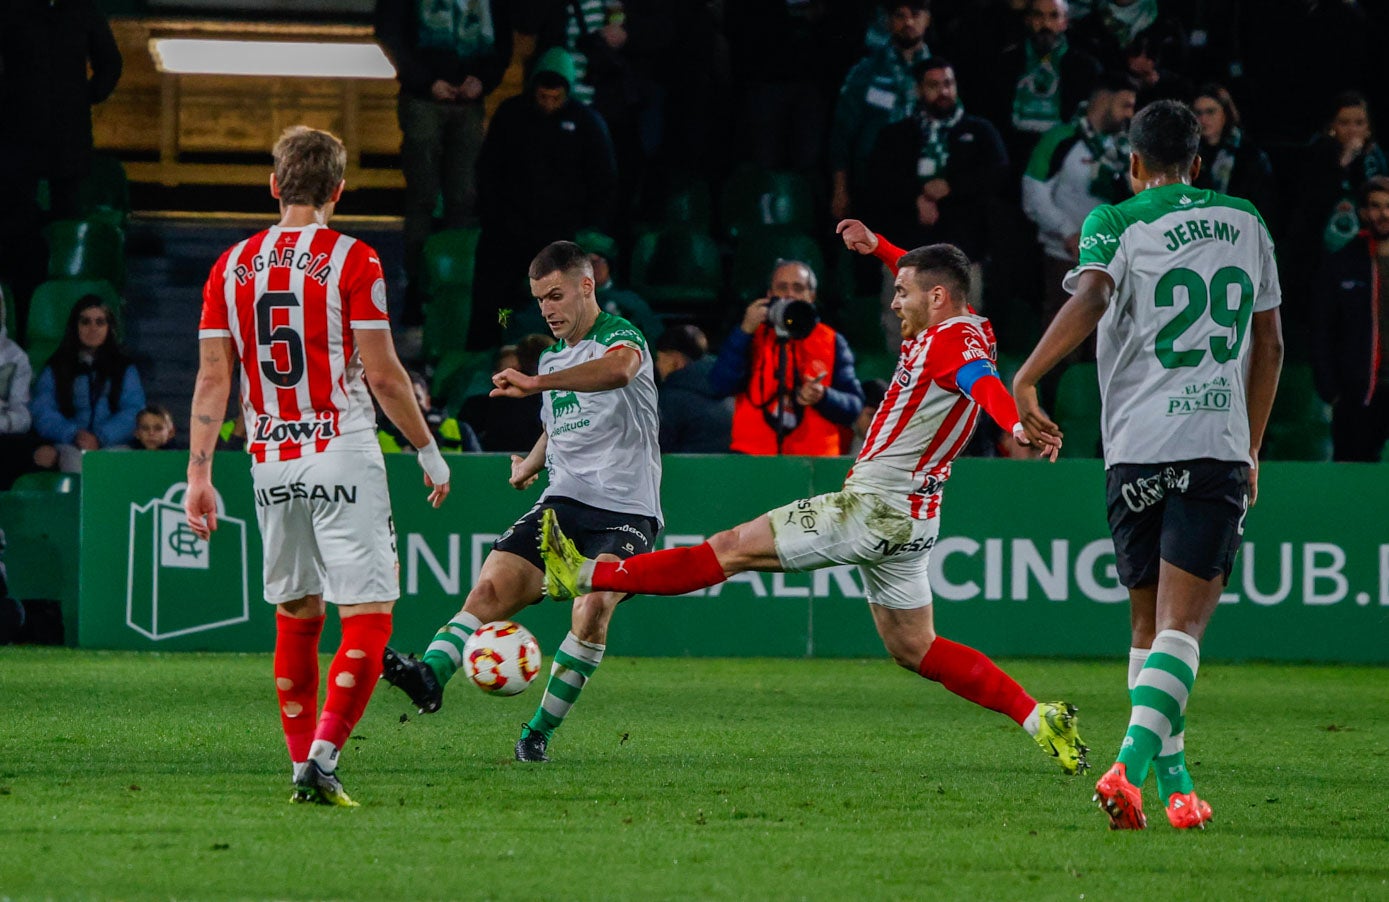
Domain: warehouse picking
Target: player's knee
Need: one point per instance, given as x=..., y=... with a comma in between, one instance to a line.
x=907, y=650
x=729, y=549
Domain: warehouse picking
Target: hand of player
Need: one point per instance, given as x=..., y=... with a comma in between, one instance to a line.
x=811, y=391
x=86, y=441
x=471, y=89
x=442, y=91
x=1254, y=479
x=927, y=213
x=755, y=315
x=858, y=237
x=512, y=383
x=1049, y=446
x=520, y=479
x=1038, y=429
x=200, y=508
x=438, y=493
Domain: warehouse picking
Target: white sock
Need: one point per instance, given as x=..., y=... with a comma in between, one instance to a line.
x=324, y=754
x=1137, y=658
x=1033, y=723
x=298, y=769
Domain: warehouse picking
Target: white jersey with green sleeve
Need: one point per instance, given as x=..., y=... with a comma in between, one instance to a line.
x=603, y=448
x=1190, y=269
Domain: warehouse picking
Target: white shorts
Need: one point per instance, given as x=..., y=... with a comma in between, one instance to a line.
x=326, y=528
x=890, y=548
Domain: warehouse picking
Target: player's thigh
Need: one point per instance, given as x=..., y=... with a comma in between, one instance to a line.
x=356, y=533
x=1203, y=525
x=1135, y=496
x=290, y=563
x=506, y=584
x=843, y=528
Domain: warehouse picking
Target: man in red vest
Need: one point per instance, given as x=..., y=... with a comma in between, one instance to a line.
x=793, y=389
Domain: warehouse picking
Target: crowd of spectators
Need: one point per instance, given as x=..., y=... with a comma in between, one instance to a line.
x=995, y=125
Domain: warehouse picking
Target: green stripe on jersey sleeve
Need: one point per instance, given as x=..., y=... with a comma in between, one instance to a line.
x=610, y=330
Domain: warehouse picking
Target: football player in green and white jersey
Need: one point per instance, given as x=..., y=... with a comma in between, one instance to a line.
x=1182, y=285
x=600, y=447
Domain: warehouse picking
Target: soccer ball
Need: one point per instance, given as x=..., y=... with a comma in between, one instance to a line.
x=501, y=658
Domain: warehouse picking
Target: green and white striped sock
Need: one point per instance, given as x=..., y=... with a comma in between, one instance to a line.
x=1170, y=764
x=445, y=654
x=1159, y=701
x=574, y=663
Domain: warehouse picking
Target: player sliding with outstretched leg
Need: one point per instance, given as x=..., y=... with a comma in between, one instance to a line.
x=887, y=517
x=1181, y=477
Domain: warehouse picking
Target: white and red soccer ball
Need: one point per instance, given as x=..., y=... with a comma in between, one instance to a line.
x=501, y=658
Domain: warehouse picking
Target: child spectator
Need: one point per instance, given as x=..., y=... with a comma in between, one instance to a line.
x=154, y=428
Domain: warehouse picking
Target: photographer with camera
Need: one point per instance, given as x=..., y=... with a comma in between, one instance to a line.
x=792, y=377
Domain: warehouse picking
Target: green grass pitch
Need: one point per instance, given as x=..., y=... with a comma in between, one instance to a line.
x=139, y=776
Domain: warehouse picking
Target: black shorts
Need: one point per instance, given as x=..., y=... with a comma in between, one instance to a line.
x=593, y=530
x=1189, y=513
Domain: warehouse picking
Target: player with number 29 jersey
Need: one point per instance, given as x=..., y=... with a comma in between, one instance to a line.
x=1190, y=269
x=289, y=299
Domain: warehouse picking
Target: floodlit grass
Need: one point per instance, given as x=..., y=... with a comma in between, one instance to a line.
x=140, y=776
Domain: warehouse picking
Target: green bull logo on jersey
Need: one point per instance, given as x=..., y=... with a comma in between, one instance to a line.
x=563, y=403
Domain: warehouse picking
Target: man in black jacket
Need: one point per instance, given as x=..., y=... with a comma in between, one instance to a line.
x=448, y=57
x=46, y=99
x=1351, y=329
x=933, y=176
x=546, y=170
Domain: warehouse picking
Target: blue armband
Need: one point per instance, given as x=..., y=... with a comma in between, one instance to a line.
x=972, y=372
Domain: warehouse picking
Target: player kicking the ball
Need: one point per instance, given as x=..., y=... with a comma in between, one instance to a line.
x=887, y=517
x=1176, y=279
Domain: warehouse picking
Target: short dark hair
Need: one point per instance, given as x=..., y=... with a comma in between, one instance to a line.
x=1221, y=95
x=916, y=5
x=560, y=256
x=1165, y=135
x=940, y=264
x=686, y=339
x=1350, y=99
x=1375, y=184
x=930, y=64
x=155, y=410
x=1111, y=82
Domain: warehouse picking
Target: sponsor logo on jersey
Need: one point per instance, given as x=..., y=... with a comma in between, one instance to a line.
x=974, y=350
x=892, y=549
x=378, y=294
x=282, y=494
x=1097, y=238
x=1142, y=493
x=563, y=403
x=302, y=431
x=1213, y=395
x=805, y=516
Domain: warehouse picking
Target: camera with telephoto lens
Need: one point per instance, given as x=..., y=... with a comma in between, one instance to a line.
x=791, y=319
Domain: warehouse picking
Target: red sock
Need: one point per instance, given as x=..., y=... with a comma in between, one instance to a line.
x=970, y=674
x=296, y=680
x=673, y=571
x=353, y=675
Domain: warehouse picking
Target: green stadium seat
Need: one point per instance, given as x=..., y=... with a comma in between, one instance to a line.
x=679, y=199
x=47, y=481
x=1299, y=426
x=456, y=377
x=760, y=197
x=449, y=262
x=1078, y=410
x=758, y=250
x=677, y=267
x=86, y=249
x=875, y=364
x=104, y=194
x=49, y=309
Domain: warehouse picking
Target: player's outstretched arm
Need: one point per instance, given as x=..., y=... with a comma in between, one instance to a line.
x=1265, y=363
x=863, y=240
x=210, y=391
x=1077, y=318
x=613, y=370
x=389, y=382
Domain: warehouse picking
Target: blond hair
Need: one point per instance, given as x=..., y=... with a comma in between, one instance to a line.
x=309, y=166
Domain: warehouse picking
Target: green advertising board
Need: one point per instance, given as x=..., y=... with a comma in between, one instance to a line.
x=1024, y=565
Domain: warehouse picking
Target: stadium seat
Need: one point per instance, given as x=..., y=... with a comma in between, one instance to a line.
x=874, y=364
x=86, y=249
x=678, y=199
x=1299, y=426
x=449, y=263
x=677, y=267
x=49, y=309
x=47, y=481
x=1078, y=410
x=104, y=194
x=758, y=250
x=760, y=197
x=457, y=377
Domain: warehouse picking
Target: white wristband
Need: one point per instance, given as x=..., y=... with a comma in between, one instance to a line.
x=432, y=462
x=1020, y=434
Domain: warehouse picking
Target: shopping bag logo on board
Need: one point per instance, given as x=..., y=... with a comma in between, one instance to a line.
x=176, y=583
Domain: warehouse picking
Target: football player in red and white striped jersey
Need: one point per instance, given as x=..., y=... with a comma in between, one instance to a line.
x=301, y=309
x=885, y=520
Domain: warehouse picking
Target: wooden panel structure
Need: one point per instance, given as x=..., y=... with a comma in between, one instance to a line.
x=166, y=126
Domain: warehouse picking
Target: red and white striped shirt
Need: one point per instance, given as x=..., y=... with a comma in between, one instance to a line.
x=924, y=420
x=289, y=299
